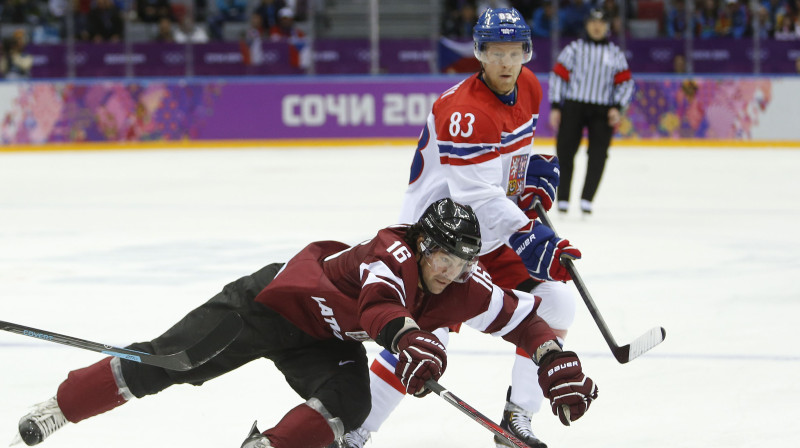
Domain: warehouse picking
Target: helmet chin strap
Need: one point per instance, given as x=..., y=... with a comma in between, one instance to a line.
x=422, y=283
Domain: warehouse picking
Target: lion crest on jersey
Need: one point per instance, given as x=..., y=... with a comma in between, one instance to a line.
x=516, y=175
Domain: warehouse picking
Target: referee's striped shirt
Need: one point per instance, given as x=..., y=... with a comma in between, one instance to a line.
x=591, y=72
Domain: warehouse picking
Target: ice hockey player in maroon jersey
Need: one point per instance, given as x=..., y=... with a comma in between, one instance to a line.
x=311, y=315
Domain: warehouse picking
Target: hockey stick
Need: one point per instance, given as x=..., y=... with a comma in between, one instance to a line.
x=624, y=353
x=206, y=348
x=487, y=423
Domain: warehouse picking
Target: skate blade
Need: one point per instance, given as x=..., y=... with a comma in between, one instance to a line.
x=498, y=443
x=16, y=441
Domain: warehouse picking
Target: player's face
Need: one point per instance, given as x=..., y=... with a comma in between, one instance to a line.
x=501, y=65
x=440, y=268
x=597, y=29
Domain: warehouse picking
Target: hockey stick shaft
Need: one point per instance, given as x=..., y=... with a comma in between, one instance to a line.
x=625, y=353
x=486, y=422
x=209, y=346
x=576, y=278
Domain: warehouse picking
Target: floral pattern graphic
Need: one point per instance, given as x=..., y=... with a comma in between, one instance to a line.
x=38, y=113
x=140, y=111
x=697, y=108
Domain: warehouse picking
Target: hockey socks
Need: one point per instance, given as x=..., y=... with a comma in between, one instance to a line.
x=301, y=427
x=386, y=389
x=89, y=391
x=526, y=392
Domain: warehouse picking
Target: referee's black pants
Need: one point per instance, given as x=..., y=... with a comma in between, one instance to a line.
x=575, y=116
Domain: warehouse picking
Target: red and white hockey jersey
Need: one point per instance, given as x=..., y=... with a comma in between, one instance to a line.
x=474, y=149
x=331, y=290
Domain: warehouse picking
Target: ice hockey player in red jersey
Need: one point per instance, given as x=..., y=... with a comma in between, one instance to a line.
x=311, y=316
x=477, y=148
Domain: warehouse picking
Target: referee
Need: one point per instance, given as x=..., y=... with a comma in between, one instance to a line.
x=589, y=87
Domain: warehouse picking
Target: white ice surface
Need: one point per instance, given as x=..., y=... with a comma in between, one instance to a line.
x=116, y=246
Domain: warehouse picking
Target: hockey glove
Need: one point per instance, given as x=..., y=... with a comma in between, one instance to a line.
x=564, y=384
x=541, y=251
x=541, y=181
x=421, y=357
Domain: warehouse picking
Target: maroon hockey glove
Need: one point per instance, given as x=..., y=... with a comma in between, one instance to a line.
x=564, y=383
x=421, y=357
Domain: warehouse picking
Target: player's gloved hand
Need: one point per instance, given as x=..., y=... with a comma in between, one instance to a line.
x=541, y=251
x=541, y=180
x=255, y=439
x=421, y=357
x=564, y=384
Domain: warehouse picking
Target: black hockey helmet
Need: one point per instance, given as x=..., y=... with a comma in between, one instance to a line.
x=452, y=227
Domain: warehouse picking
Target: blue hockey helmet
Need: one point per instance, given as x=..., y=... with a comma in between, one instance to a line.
x=501, y=25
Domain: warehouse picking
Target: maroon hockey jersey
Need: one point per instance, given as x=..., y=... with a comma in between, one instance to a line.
x=331, y=290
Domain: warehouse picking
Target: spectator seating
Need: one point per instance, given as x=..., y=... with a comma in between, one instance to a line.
x=649, y=21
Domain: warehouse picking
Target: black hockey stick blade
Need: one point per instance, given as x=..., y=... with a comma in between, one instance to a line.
x=206, y=348
x=487, y=423
x=624, y=353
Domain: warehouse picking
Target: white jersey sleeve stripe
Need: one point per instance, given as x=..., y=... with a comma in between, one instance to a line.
x=378, y=272
x=482, y=321
x=525, y=305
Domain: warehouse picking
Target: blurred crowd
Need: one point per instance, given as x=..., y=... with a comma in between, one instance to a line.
x=201, y=21
x=251, y=22
x=771, y=19
x=197, y=21
x=169, y=21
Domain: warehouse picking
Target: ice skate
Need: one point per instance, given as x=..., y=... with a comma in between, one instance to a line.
x=255, y=439
x=45, y=419
x=586, y=207
x=353, y=439
x=563, y=206
x=517, y=422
